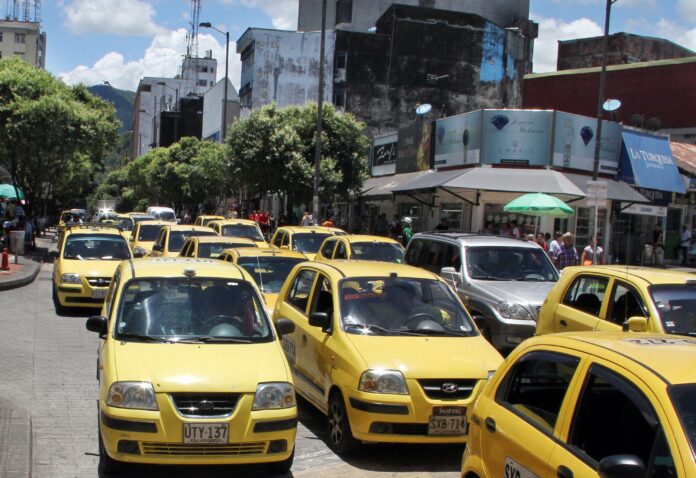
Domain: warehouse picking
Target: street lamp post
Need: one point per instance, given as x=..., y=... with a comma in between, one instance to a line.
x=223, y=129
x=320, y=111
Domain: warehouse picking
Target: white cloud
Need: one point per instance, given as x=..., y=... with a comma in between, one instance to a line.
x=677, y=33
x=550, y=31
x=162, y=58
x=118, y=17
x=283, y=13
x=687, y=9
x=635, y=3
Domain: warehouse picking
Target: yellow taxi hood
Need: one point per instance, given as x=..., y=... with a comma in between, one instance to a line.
x=90, y=268
x=200, y=367
x=428, y=357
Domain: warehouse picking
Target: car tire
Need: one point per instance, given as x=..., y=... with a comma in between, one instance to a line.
x=281, y=467
x=341, y=439
x=107, y=464
x=60, y=309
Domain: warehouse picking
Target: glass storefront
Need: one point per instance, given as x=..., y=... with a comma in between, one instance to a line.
x=496, y=220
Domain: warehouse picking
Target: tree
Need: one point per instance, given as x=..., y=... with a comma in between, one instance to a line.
x=51, y=134
x=273, y=151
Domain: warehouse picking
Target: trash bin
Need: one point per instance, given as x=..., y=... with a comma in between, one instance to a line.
x=17, y=242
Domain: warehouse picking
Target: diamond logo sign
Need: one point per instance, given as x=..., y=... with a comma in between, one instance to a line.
x=500, y=121
x=586, y=134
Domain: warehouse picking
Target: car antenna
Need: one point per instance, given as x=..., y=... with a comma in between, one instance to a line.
x=258, y=263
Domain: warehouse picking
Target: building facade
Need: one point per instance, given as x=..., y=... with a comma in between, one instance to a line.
x=23, y=40
x=213, y=101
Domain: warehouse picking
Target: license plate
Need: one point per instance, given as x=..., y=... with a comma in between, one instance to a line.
x=199, y=433
x=515, y=470
x=448, y=421
x=98, y=293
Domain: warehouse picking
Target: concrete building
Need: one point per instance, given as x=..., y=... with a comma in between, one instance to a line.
x=24, y=40
x=213, y=100
x=623, y=48
x=282, y=67
x=361, y=15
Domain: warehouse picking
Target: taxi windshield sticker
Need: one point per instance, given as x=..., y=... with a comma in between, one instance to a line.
x=661, y=341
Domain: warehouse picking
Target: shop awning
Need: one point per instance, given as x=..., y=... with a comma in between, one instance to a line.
x=384, y=185
x=685, y=154
x=647, y=161
x=616, y=190
x=515, y=180
x=427, y=180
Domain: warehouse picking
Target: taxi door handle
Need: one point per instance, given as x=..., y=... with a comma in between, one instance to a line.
x=490, y=425
x=564, y=472
x=563, y=323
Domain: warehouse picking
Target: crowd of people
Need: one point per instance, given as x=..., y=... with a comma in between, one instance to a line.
x=13, y=218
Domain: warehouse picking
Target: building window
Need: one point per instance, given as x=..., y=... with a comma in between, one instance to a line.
x=212, y=70
x=339, y=99
x=248, y=61
x=341, y=59
x=202, y=82
x=344, y=11
x=146, y=88
x=245, y=100
x=20, y=38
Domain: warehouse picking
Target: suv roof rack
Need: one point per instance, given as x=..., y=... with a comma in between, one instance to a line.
x=93, y=225
x=458, y=233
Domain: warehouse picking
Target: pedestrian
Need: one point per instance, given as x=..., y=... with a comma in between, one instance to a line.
x=506, y=230
x=567, y=255
x=443, y=226
x=406, y=231
x=29, y=243
x=394, y=227
x=306, y=219
x=657, y=245
x=328, y=223
x=381, y=227
x=555, y=245
x=542, y=242
x=591, y=251
x=515, y=230
x=684, y=243
x=490, y=228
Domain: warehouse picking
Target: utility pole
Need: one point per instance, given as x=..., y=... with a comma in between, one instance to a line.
x=320, y=110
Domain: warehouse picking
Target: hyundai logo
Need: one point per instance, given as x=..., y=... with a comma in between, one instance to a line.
x=206, y=406
x=449, y=387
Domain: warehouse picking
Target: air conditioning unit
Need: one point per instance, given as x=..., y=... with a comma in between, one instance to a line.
x=340, y=75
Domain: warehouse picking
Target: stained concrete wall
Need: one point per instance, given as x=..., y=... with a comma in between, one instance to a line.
x=367, y=12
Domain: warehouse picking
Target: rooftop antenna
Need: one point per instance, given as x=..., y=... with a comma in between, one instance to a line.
x=25, y=10
x=37, y=11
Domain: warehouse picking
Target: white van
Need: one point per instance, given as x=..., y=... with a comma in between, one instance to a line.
x=162, y=213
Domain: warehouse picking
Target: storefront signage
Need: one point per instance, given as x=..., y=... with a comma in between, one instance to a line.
x=384, y=153
x=647, y=161
x=414, y=147
x=458, y=140
x=659, y=198
x=517, y=137
x=644, y=209
x=575, y=140
x=688, y=199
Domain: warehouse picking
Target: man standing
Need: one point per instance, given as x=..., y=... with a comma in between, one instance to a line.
x=555, y=245
x=406, y=232
x=567, y=255
x=684, y=243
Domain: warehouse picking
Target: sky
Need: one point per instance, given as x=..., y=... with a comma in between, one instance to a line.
x=120, y=41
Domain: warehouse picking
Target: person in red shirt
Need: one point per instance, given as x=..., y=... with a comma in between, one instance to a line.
x=252, y=215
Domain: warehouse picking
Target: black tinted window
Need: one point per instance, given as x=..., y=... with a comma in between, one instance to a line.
x=586, y=293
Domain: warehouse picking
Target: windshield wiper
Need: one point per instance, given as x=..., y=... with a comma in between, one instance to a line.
x=144, y=338
x=437, y=332
x=370, y=327
x=231, y=340
x=487, y=278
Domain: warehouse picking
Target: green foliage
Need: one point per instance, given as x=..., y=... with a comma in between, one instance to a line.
x=273, y=151
x=51, y=135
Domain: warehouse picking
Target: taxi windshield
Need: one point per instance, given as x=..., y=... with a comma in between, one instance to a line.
x=684, y=399
x=241, y=230
x=308, y=242
x=269, y=272
x=89, y=247
x=177, y=238
x=377, y=251
x=398, y=306
x=214, y=249
x=215, y=310
x=148, y=232
x=509, y=264
x=676, y=306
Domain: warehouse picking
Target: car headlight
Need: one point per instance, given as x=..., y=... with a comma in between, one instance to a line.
x=139, y=395
x=509, y=310
x=274, y=395
x=70, y=278
x=383, y=381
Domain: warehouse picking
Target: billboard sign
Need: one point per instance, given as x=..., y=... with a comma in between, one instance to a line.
x=384, y=153
x=458, y=140
x=517, y=137
x=575, y=140
x=414, y=147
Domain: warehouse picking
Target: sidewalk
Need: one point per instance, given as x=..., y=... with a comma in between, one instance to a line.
x=29, y=265
x=15, y=442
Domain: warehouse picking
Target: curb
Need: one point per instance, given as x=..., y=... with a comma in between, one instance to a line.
x=29, y=272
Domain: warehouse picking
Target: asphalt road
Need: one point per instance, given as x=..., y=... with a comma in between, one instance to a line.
x=47, y=371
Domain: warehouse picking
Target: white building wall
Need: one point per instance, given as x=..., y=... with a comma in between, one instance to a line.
x=212, y=109
x=161, y=97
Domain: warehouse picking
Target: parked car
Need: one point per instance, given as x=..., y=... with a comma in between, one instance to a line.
x=386, y=351
x=191, y=370
x=361, y=248
x=588, y=405
x=162, y=213
x=615, y=298
x=501, y=280
x=171, y=237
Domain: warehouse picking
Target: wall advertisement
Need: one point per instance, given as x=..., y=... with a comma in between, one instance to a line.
x=575, y=140
x=458, y=140
x=517, y=137
x=384, y=153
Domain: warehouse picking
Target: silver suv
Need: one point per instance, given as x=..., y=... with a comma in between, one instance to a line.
x=502, y=281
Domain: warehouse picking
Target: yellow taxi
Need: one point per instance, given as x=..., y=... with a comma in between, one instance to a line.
x=86, y=259
x=71, y=216
x=143, y=236
x=210, y=247
x=124, y=222
x=239, y=228
x=205, y=219
x=269, y=267
x=588, y=405
x=304, y=239
x=386, y=351
x=361, y=248
x=191, y=370
x=614, y=298
x=171, y=237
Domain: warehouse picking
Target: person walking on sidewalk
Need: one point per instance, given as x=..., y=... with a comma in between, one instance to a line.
x=684, y=243
x=566, y=255
x=406, y=232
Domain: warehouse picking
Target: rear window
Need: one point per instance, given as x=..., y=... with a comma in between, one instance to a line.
x=213, y=250
x=149, y=232
x=177, y=238
x=241, y=230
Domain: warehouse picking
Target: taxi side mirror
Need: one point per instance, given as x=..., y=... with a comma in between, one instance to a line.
x=157, y=248
x=636, y=324
x=97, y=324
x=284, y=326
x=320, y=319
x=621, y=466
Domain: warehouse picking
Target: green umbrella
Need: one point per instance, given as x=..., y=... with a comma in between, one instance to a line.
x=8, y=191
x=539, y=204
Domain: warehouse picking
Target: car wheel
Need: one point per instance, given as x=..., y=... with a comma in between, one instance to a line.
x=107, y=464
x=60, y=309
x=281, y=467
x=341, y=438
